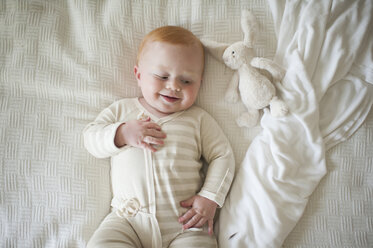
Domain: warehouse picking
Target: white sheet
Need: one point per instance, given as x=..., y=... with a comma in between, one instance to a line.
x=326, y=47
x=62, y=62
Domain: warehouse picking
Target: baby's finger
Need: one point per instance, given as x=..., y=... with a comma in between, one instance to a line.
x=201, y=222
x=187, y=216
x=152, y=140
x=211, y=227
x=155, y=133
x=148, y=146
x=194, y=220
x=147, y=119
x=152, y=125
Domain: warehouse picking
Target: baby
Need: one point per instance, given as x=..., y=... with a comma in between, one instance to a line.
x=157, y=144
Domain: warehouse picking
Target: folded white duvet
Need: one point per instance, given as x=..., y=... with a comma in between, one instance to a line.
x=326, y=47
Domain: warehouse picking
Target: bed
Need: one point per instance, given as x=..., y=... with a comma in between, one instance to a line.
x=62, y=62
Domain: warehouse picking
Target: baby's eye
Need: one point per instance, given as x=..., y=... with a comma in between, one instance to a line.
x=185, y=81
x=161, y=77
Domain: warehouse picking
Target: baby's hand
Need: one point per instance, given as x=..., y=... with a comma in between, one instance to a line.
x=201, y=210
x=140, y=133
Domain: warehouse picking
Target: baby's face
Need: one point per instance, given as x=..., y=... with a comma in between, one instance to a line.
x=169, y=76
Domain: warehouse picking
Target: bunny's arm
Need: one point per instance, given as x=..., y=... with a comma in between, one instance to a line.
x=266, y=64
x=232, y=90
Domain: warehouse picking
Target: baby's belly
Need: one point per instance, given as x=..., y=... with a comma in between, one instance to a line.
x=128, y=175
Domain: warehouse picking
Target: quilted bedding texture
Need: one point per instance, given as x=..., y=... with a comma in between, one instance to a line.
x=62, y=62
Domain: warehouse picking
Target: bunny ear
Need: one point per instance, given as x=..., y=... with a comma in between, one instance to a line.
x=216, y=49
x=250, y=27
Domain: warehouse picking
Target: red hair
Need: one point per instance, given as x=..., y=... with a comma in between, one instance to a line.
x=170, y=34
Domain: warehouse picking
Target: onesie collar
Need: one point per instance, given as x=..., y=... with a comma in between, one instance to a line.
x=144, y=113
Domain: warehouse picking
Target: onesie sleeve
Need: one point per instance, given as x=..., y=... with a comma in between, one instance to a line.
x=99, y=135
x=217, y=152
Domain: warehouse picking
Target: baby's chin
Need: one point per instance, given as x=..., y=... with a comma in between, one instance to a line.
x=171, y=110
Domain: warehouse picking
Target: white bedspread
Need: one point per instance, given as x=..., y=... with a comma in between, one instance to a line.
x=327, y=49
x=62, y=62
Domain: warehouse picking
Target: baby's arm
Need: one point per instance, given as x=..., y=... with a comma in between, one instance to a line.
x=219, y=156
x=108, y=132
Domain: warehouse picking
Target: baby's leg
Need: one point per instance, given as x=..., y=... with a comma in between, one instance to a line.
x=194, y=239
x=114, y=232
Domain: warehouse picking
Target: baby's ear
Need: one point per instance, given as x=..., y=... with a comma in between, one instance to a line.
x=137, y=72
x=214, y=48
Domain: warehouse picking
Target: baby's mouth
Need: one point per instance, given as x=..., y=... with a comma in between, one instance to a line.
x=170, y=98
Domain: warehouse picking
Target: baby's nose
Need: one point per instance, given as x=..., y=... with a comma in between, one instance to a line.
x=173, y=85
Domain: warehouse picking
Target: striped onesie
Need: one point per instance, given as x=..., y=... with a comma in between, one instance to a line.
x=148, y=187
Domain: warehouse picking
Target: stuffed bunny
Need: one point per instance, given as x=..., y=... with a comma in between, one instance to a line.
x=256, y=90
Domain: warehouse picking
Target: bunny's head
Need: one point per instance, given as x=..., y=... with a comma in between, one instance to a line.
x=237, y=54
